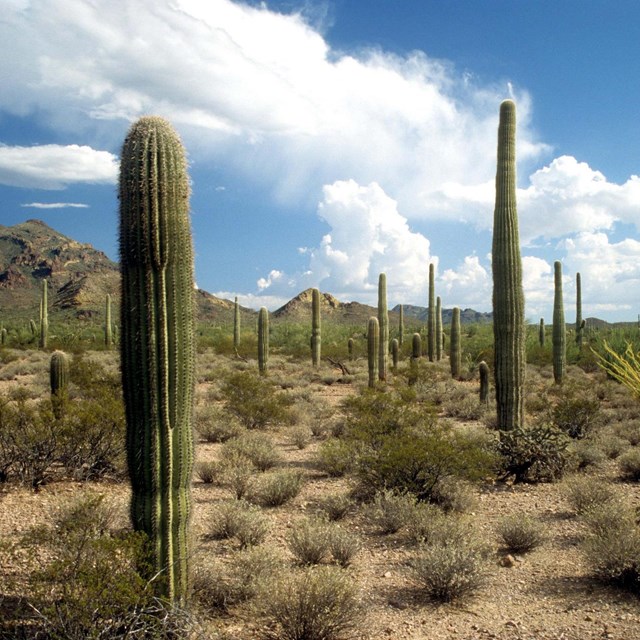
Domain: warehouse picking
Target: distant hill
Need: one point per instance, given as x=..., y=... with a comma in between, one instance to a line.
x=412, y=312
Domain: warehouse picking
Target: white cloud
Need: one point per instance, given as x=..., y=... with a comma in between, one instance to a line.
x=470, y=285
x=55, y=205
x=55, y=166
x=261, y=89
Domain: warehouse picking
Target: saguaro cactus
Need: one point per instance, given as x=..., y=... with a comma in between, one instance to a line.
x=455, y=355
x=373, y=347
x=508, y=297
x=416, y=346
x=108, y=339
x=401, y=325
x=383, y=322
x=541, y=332
x=559, y=327
x=483, y=369
x=315, y=328
x=438, y=328
x=44, y=317
x=579, y=321
x=395, y=350
x=158, y=345
x=350, y=348
x=59, y=381
x=263, y=340
x=236, y=324
x=431, y=318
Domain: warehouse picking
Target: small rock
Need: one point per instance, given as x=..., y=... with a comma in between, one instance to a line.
x=507, y=561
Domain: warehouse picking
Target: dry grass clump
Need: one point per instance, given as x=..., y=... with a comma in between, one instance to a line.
x=309, y=541
x=336, y=506
x=258, y=448
x=629, y=463
x=584, y=493
x=277, y=488
x=300, y=436
x=390, y=511
x=240, y=520
x=318, y=603
x=214, y=424
x=520, y=533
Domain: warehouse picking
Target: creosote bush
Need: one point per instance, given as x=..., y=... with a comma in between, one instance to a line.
x=585, y=493
x=258, y=448
x=277, y=488
x=389, y=512
x=629, y=463
x=240, y=520
x=520, y=533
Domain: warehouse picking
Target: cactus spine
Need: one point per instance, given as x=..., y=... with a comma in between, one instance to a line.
x=315, y=328
x=158, y=345
x=108, y=338
x=579, y=321
x=59, y=381
x=44, y=317
x=236, y=324
x=483, y=369
x=431, y=318
x=559, y=327
x=541, y=332
x=439, y=336
x=383, y=324
x=263, y=340
x=373, y=348
x=401, y=325
x=455, y=356
x=508, y=297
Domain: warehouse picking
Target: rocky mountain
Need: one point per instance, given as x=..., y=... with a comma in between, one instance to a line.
x=412, y=312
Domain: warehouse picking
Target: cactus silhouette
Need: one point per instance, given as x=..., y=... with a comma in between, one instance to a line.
x=157, y=345
x=508, y=297
x=559, y=328
x=541, y=332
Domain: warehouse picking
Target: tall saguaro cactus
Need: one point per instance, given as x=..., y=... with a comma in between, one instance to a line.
x=236, y=324
x=438, y=328
x=508, y=297
x=401, y=325
x=541, y=332
x=158, y=345
x=455, y=354
x=263, y=340
x=108, y=338
x=559, y=345
x=373, y=346
x=315, y=328
x=579, y=323
x=431, y=318
x=44, y=317
x=59, y=381
x=383, y=322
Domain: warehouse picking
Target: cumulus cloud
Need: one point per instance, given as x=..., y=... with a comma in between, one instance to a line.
x=469, y=285
x=55, y=166
x=54, y=205
x=261, y=88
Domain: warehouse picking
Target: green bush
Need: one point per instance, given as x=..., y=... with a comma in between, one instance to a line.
x=534, y=454
x=520, y=533
x=576, y=414
x=629, y=463
x=335, y=457
x=309, y=541
x=275, y=489
x=586, y=493
x=336, y=506
x=258, y=448
x=214, y=424
x=240, y=520
x=255, y=401
x=343, y=545
x=390, y=511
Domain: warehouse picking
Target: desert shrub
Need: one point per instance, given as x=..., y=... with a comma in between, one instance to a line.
x=259, y=448
x=612, y=546
x=584, y=493
x=520, y=533
x=309, y=541
x=585, y=454
x=611, y=445
x=464, y=405
x=300, y=436
x=534, y=454
x=241, y=520
x=343, y=545
x=255, y=401
x=336, y=506
x=335, y=457
x=629, y=430
x=207, y=471
x=239, y=580
x=214, y=424
x=321, y=603
x=629, y=464
x=87, y=586
x=576, y=414
x=390, y=511
x=449, y=570
x=236, y=472
x=453, y=495
x=275, y=489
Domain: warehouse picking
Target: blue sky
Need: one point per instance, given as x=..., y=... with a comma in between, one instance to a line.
x=331, y=141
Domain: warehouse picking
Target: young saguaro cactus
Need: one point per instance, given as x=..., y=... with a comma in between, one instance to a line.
x=541, y=332
x=431, y=318
x=455, y=354
x=316, y=336
x=373, y=346
x=483, y=369
x=263, y=340
x=508, y=297
x=108, y=338
x=383, y=322
x=44, y=317
x=59, y=381
x=395, y=353
x=350, y=349
x=158, y=345
x=559, y=345
x=236, y=324
x=579, y=321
